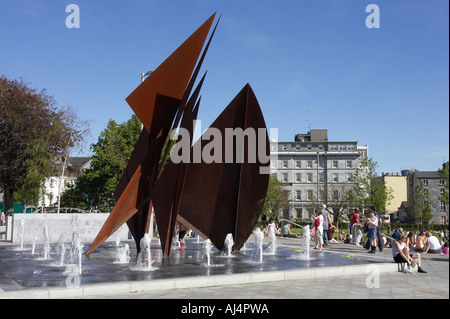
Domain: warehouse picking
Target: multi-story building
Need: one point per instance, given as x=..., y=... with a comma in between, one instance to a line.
x=398, y=184
x=314, y=169
x=433, y=186
x=51, y=188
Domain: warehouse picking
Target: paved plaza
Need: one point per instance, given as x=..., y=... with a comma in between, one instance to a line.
x=365, y=277
x=392, y=285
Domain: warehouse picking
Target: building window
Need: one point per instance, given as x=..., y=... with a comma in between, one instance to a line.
x=443, y=208
x=285, y=164
x=298, y=178
x=297, y=147
x=298, y=195
x=321, y=177
x=351, y=147
x=335, y=164
x=342, y=147
x=298, y=164
x=425, y=182
x=335, y=195
x=443, y=220
x=349, y=164
x=320, y=147
x=349, y=177
x=310, y=164
x=333, y=147
x=310, y=195
x=309, y=147
x=310, y=177
x=284, y=147
x=335, y=177
x=284, y=177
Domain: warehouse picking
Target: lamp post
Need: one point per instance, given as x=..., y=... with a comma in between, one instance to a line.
x=318, y=180
x=143, y=75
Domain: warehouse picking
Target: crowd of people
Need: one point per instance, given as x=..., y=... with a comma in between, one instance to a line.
x=406, y=246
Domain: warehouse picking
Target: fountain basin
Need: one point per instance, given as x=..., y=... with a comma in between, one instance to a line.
x=189, y=262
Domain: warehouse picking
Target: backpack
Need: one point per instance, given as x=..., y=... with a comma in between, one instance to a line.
x=317, y=222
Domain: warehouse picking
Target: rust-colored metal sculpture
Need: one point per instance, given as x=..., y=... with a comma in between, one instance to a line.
x=214, y=199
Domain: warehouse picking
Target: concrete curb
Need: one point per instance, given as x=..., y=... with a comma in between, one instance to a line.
x=197, y=282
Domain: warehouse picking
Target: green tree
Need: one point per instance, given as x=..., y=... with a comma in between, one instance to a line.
x=277, y=198
x=421, y=209
x=33, y=132
x=111, y=154
x=443, y=175
x=339, y=200
x=369, y=190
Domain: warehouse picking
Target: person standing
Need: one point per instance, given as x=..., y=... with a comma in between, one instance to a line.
x=372, y=232
x=2, y=221
x=318, y=226
x=356, y=227
x=326, y=224
x=380, y=241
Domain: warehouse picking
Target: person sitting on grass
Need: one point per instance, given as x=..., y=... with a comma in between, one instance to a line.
x=433, y=246
x=286, y=231
x=400, y=252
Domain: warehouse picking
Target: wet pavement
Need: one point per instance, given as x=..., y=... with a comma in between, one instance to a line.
x=337, y=272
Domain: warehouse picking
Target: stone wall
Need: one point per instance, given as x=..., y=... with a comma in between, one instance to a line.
x=87, y=226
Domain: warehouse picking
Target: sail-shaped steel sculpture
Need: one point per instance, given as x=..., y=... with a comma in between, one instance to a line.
x=214, y=199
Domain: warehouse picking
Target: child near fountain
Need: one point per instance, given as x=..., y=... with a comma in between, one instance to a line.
x=272, y=230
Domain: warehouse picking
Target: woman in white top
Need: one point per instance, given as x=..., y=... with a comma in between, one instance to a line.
x=400, y=252
x=318, y=226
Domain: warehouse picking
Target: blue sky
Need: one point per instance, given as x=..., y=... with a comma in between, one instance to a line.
x=311, y=63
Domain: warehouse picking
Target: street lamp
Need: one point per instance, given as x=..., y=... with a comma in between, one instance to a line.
x=143, y=75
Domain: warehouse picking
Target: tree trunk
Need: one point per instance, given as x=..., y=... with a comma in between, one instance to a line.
x=9, y=200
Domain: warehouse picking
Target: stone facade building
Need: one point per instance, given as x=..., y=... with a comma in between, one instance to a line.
x=314, y=169
x=433, y=186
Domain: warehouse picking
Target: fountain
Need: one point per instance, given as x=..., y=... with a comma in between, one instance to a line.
x=46, y=247
x=144, y=260
x=122, y=254
x=34, y=241
x=61, y=249
x=229, y=242
x=259, y=238
x=207, y=250
x=21, y=233
x=272, y=247
x=76, y=250
x=307, y=237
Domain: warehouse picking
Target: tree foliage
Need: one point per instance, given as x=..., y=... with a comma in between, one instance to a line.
x=443, y=174
x=421, y=209
x=111, y=154
x=33, y=132
x=277, y=198
x=369, y=189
